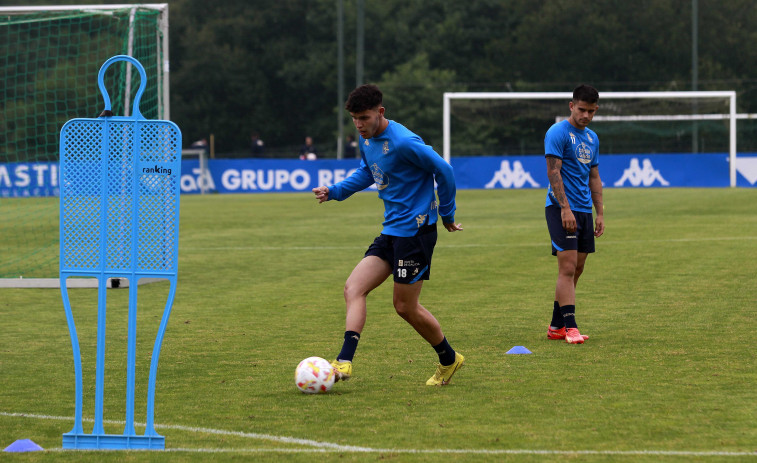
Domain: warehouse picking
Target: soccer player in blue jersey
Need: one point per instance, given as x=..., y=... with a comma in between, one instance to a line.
x=404, y=169
x=571, y=150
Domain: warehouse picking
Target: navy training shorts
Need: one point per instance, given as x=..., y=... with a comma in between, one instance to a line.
x=582, y=240
x=409, y=257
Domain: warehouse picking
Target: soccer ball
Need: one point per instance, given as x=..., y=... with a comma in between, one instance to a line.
x=314, y=375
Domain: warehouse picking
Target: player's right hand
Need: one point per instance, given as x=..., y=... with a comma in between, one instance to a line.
x=568, y=220
x=321, y=193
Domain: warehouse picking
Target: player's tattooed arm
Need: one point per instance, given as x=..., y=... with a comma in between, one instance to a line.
x=554, y=165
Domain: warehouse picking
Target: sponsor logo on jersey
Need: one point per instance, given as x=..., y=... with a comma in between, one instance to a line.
x=385, y=148
x=421, y=219
x=583, y=153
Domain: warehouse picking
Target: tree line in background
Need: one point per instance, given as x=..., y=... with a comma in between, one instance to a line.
x=240, y=67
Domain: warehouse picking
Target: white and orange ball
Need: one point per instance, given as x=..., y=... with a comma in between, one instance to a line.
x=314, y=375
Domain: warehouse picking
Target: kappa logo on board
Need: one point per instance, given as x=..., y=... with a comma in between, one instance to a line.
x=644, y=175
x=514, y=177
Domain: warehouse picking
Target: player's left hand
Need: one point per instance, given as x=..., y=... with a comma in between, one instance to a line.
x=453, y=227
x=599, y=227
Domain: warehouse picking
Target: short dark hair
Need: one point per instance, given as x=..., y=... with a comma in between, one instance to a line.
x=363, y=98
x=585, y=93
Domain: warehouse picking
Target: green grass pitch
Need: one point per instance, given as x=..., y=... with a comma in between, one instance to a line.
x=669, y=374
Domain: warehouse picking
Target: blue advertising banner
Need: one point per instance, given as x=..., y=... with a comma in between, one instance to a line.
x=490, y=172
x=263, y=175
x=29, y=179
x=623, y=170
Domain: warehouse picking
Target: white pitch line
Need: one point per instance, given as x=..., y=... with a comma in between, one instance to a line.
x=328, y=447
x=662, y=453
x=282, y=439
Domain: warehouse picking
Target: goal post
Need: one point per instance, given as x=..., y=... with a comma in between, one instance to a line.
x=48, y=57
x=139, y=30
x=692, y=99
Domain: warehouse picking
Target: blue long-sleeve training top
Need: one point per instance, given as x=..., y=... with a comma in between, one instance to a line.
x=404, y=169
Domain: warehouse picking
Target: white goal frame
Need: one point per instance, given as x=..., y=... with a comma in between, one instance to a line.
x=730, y=95
x=163, y=90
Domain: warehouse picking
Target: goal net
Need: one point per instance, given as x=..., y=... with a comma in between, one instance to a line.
x=49, y=60
x=486, y=124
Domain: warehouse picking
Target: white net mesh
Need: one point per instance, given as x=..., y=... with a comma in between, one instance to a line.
x=515, y=124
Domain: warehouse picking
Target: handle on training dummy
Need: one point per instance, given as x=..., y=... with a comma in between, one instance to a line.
x=135, y=114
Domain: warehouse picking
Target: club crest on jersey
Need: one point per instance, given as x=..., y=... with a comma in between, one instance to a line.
x=583, y=153
x=379, y=177
x=385, y=148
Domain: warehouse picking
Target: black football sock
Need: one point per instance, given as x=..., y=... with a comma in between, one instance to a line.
x=557, y=321
x=349, y=347
x=445, y=352
x=569, y=315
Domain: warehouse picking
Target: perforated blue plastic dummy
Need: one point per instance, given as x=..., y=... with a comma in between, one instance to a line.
x=119, y=218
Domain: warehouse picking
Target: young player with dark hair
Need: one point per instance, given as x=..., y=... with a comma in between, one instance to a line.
x=404, y=169
x=571, y=150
